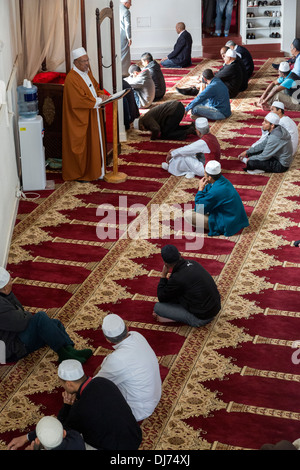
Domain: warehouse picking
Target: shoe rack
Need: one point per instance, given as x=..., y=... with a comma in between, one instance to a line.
x=263, y=21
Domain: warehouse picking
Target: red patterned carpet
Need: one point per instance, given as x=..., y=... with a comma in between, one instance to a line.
x=231, y=385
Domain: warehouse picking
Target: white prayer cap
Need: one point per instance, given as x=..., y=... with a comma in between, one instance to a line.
x=278, y=104
x=284, y=67
x=213, y=168
x=231, y=53
x=136, y=123
x=4, y=277
x=201, y=123
x=78, y=53
x=70, y=369
x=49, y=431
x=113, y=325
x=272, y=118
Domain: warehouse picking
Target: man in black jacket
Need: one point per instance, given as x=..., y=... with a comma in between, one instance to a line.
x=156, y=74
x=23, y=332
x=189, y=295
x=245, y=56
x=96, y=408
x=231, y=73
x=182, y=52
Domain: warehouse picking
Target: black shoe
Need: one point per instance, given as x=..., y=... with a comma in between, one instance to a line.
x=297, y=243
x=275, y=66
x=192, y=91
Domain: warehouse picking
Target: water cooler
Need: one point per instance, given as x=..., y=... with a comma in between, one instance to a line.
x=31, y=130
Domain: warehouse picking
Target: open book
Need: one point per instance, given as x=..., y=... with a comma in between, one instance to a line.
x=116, y=96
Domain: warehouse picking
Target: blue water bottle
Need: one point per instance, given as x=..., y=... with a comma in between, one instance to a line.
x=27, y=100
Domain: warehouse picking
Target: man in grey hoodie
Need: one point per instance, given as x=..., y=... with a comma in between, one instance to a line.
x=274, y=153
x=142, y=84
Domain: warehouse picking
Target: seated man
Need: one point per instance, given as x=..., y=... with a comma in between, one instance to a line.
x=156, y=74
x=279, y=90
x=181, y=54
x=231, y=74
x=49, y=434
x=133, y=367
x=237, y=59
x=142, y=84
x=23, y=332
x=223, y=210
x=245, y=56
x=274, y=153
x=97, y=410
x=189, y=295
x=213, y=102
x=163, y=121
x=286, y=122
x=190, y=160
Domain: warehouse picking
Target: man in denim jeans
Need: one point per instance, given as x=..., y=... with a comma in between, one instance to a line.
x=223, y=6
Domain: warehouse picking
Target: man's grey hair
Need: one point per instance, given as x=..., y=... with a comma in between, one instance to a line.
x=230, y=43
x=134, y=68
x=204, y=130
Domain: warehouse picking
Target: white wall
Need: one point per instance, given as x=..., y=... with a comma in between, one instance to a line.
x=153, y=26
x=9, y=181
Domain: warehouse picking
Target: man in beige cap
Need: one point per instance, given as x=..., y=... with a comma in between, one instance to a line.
x=96, y=409
x=218, y=206
x=190, y=160
x=133, y=367
x=274, y=153
x=83, y=156
x=23, y=332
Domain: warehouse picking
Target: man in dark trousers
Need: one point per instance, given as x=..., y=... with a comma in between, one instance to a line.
x=96, y=408
x=244, y=54
x=23, y=332
x=182, y=52
x=163, y=121
x=189, y=295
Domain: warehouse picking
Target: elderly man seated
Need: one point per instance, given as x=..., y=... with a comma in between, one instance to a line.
x=23, y=332
x=274, y=153
x=190, y=160
x=218, y=206
x=142, y=84
x=231, y=73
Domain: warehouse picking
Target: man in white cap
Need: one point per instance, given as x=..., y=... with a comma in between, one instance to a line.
x=96, y=408
x=231, y=73
x=132, y=366
x=286, y=122
x=280, y=89
x=223, y=211
x=274, y=153
x=245, y=56
x=49, y=434
x=83, y=150
x=190, y=160
x=23, y=332
x=125, y=35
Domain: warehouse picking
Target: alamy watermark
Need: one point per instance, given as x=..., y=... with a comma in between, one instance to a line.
x=140, y=222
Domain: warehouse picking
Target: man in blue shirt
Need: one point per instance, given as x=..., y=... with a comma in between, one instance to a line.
x=281, y=89
x=223, y=210
x=213, y=102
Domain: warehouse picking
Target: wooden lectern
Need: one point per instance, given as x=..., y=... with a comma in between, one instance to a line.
x=115, y=176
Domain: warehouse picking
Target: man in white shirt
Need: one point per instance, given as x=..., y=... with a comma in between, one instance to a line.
x=190, y=160
x=286, y=122
x=133, y=367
